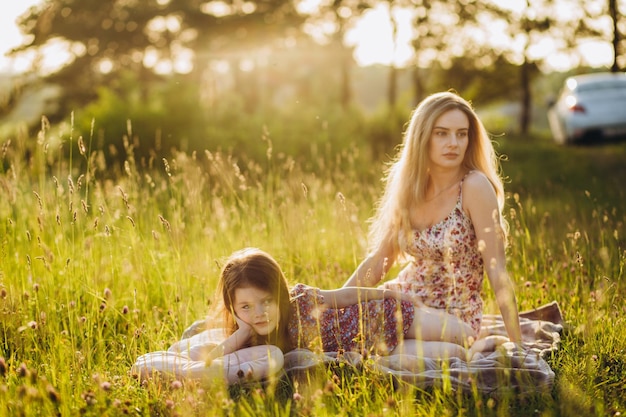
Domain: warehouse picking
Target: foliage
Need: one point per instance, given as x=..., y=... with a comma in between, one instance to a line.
x=109, y=38
x=168, y=120
x=166, y=117
x=97, y=268
x=268, y=47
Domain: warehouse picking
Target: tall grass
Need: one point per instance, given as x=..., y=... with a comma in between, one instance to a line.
x=97, y=269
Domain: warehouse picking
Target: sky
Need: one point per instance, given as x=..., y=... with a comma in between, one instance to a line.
x=371, y=36
x=10, y=35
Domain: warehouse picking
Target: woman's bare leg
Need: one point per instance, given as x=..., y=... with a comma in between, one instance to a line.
x=430, y=349
x=486, y=344
x=431, y=324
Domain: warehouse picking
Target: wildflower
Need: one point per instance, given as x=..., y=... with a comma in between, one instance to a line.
x=107, y=293
x=3, y=367
x=329, y=388
x=125, y=310
x=176, y=384
x=32, y=324
x=297, y=396
x=22, y=371
x=89, y=397
x=53, y=394
x=105, y=386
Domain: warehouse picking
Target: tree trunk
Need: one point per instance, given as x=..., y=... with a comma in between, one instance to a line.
x=346, y=89
x=392, y=86
x=393, y=71
x=418, y=87
x=526, y=97
x=616, y=35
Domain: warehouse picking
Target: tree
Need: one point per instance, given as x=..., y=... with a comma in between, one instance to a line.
x=102, y=37
x=147, y=37
x=618, y=34
x=564, y=24
x=328, y=23
x=435, y=44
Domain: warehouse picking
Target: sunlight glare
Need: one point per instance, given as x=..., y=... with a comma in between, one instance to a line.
x=596, y=53
x=54, y=54
x=183, y=64
x=216, y=8
x=150, y=57
x=308, y=6
x=11, y=36
x=105, y=66
x=163, y=67
x=372, y=38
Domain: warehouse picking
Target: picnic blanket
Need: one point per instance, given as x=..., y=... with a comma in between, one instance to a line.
x=503, y=367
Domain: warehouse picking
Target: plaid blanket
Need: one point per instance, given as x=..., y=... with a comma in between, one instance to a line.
x=504, y=367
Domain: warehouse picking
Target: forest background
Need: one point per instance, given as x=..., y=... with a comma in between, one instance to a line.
x=174, y=132
x=185, y=71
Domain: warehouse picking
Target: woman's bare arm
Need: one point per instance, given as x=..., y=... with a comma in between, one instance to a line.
x=347, y=296
x=483, y=210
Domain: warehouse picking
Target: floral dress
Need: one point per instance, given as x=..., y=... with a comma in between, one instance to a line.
x=374, y=326
x=446, y=270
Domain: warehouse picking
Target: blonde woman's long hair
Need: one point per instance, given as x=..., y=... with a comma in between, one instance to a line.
x=407, y=175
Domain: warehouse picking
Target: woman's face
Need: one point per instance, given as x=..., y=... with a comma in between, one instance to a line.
x=449, y=139
x=258, y=308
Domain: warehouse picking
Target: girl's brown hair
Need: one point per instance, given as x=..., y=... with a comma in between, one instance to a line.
x=252, y=267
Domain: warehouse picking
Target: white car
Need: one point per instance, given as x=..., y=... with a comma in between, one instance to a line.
x=589, y=106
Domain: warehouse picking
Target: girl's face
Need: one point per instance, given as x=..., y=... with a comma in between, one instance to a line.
x=449, y=139
x=258, y=308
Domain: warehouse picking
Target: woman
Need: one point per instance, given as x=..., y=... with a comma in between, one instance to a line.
x=442, y=209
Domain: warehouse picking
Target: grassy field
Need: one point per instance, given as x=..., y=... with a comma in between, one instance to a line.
x=96, y=270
